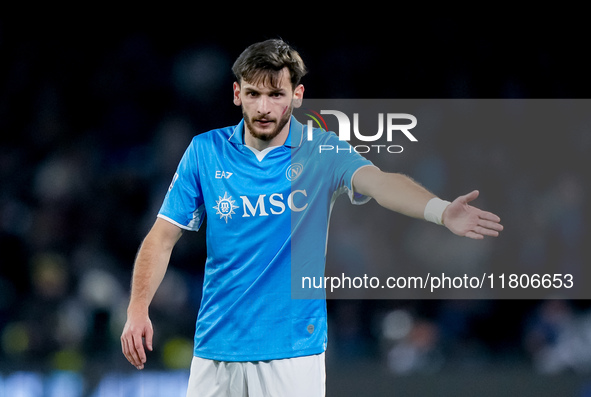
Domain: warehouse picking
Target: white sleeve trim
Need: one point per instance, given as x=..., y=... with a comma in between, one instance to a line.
x=176, y=223
x=351, y=192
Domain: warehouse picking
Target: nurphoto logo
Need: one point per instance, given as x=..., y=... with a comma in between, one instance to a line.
x=395, y=123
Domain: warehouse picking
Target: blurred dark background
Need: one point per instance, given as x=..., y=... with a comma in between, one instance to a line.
x=95, y=114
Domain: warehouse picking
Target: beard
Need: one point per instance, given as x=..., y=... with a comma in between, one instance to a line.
x=267, y=135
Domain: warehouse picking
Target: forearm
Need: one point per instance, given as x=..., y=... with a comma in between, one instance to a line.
x=396, y=192
x=149, y=269
x=403, y=195
x=150, y=265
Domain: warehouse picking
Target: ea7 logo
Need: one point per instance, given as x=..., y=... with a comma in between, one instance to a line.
x=223, y=174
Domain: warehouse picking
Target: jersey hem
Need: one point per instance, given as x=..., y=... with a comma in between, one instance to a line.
x=263, y=357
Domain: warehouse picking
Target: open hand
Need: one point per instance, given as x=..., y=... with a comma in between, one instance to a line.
x=465, y=220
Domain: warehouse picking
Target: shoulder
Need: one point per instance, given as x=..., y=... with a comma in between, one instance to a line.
x=319, y=136
x=215, y=135
x=303, y=135
x=211, y=141
x=207, y=144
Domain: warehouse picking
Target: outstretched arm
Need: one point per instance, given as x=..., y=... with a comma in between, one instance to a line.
x=149, y=269
x=400, y=193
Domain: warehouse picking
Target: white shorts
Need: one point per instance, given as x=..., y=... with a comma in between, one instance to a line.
x=290, y=377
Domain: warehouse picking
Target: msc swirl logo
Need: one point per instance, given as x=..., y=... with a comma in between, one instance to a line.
x=225, y=207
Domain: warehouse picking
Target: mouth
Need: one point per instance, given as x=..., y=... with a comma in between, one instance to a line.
x=263, y=122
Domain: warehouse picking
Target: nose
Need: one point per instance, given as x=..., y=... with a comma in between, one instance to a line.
x=263, y=105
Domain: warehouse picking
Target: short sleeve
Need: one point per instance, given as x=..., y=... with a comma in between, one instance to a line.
x=183, y=203
x=346, y=162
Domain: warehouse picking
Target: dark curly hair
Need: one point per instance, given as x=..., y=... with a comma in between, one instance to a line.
x=263, y=62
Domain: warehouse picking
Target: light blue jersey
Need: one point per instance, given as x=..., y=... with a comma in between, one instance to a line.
x=265, y=211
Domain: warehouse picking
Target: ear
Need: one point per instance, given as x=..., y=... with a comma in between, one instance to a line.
x=237, y=100
x=298, y=96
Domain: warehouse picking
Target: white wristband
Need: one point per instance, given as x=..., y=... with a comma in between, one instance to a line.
x=434, y=210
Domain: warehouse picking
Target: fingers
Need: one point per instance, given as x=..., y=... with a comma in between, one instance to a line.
x=474, y=235
x=470, y=196
x=489, y=222
x=139, y=353
x=148, y=338
x=127, y=351
x=133, y=348
x=487, y=226
x=483, y=231
x=133, y=352
x=490, y=225
x=480, y=232
x=489, y=216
